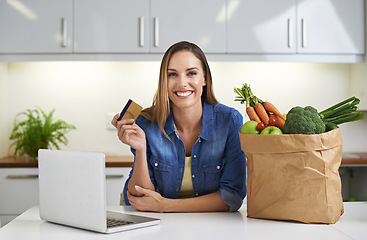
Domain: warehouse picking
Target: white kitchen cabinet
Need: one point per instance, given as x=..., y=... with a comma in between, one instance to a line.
x=111, y=26
x=123, y=26
x=115, y=182
x=331, y=31
x=262, y=26
x=36, y=26
x=19, y=189
x=201, y=22
x=296, y=26
x=330, y=26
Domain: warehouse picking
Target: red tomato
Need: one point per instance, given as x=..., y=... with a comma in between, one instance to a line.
x=260, y=126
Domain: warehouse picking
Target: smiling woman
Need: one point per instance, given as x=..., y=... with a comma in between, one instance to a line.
x=188, y=156
x=185, y=85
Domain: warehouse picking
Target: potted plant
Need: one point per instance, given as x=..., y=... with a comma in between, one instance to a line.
x=38, y=130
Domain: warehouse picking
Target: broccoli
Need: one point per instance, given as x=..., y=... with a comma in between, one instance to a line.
x=303, y=121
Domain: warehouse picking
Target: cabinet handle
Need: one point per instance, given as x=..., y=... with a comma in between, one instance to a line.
x=141, y=31
x=114, y=176
x=290, y=33
x=156, y=32
x=64, y=30
x=304, y=36
x=21, y=176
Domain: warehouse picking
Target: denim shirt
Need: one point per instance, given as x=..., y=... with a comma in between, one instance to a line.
x=217, y=162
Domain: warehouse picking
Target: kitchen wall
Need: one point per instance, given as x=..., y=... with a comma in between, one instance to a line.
x=84, y=93
x=3, y=109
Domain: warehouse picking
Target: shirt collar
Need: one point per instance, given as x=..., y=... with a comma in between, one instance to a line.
x=207, y=124
x=169, y=127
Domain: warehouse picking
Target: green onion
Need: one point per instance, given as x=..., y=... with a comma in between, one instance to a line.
x=342, y=112
x=347, y=118
x=337, y=105
x=345, y=111
x=340, y=108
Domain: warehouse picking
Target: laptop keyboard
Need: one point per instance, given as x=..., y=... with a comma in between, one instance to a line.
x=113, y=222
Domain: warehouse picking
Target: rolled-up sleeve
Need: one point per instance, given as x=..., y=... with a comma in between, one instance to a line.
x=233, y=181
x=151, y=175
x=233, y=200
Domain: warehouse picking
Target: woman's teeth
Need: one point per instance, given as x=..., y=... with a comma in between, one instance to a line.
x=184, y=94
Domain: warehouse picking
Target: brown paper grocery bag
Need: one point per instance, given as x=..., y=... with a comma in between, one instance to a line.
x=294, y=176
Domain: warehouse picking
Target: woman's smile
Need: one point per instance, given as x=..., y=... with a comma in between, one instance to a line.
x=184, y=93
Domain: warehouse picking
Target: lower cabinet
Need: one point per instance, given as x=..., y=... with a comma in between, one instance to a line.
x=19, y=189
x=115, y=181
x=354, y=180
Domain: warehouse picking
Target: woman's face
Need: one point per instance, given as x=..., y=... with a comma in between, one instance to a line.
x=185, y=80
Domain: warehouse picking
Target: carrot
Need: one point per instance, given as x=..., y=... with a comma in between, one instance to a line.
x=275, y=120
x=280, y=122
x=272, y=109
x=261, y=112
x=251, y=113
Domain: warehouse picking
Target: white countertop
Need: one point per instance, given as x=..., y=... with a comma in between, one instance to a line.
x=188, y=226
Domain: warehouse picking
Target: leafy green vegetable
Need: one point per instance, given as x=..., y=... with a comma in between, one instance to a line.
x=34, y=133
x=303, y=121
x=308, y=121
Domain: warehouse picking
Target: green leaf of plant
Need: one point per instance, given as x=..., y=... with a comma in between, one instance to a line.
x=38, y=130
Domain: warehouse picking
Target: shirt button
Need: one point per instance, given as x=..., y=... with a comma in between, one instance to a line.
x=193, y=175
x=199, y=140
x=194, y=155
x=218, y=167
x=156, y=164
x=196, y=194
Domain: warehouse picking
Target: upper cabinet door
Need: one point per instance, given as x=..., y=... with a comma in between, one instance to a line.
x=201, y=22
x=36, y=26
x=261, y=26
x=111, y=26
x=331, y=26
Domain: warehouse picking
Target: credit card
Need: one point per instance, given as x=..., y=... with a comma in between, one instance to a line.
x=131, y=110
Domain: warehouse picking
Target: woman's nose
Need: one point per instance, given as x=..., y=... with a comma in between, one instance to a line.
x=182, y=79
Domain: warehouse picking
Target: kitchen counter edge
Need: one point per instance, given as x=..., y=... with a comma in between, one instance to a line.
x=24, y=162
x=348, y=159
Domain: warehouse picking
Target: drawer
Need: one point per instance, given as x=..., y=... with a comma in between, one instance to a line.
x=18, y=190
x=115, y=181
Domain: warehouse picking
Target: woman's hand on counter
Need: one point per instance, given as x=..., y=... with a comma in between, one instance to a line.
x=150, y=201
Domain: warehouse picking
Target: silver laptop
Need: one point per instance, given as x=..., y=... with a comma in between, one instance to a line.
x=72, y=191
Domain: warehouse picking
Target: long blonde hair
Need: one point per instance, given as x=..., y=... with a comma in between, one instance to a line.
x=160, y=109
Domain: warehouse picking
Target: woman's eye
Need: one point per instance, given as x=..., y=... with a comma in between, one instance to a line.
x=192, y=73
x=171, y=74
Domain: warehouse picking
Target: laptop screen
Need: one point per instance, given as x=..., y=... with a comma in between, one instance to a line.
x=72, y=188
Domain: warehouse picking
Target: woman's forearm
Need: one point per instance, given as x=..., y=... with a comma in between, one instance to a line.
x=140, y=175
x=206, y=203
